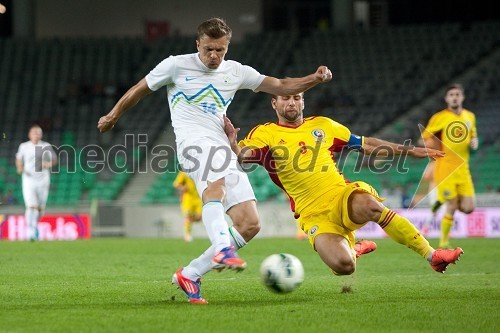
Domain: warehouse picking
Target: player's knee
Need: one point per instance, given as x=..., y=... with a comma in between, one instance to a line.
x=252, y=226
x=248, y=226
x=467, y=209
x=374, y=209
x=214, y=192
x=363, y=208
x=345, y=266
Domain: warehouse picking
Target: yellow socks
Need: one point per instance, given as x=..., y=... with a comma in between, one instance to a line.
x=404, y=232
x=446, y=224
x=187, y=230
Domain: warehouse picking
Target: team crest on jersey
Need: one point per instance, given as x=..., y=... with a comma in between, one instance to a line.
x=313, y=230
x=318, y=134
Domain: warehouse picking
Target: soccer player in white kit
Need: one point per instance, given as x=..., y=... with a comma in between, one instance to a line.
x=200, y=87
x=34, y=158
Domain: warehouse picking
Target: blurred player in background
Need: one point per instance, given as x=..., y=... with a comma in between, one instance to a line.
x=298, y=154
x=431, y=194
x=191, y=204
x=200, y=87
x=34, y=158
x=452, y=130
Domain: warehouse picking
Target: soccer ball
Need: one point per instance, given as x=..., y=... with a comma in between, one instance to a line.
x=282, y=272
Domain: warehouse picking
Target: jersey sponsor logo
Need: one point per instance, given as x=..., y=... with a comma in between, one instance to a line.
x=318, y=134
x=313, y=230
x=190, y=78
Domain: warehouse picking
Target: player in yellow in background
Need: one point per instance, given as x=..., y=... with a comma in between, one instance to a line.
x=191, y=204
x=453, y=130
x=298, y=154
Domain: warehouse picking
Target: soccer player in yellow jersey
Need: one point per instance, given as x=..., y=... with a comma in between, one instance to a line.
x=191, y=204
x=297, y=152
x=453, y=130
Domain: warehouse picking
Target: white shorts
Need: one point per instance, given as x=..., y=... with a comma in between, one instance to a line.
x=35, y=193
x=206, y=163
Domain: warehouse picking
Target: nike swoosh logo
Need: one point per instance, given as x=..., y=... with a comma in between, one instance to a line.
x=190, y=78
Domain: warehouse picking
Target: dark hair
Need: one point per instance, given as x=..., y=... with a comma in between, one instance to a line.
x=214, y=28
x=455, y=86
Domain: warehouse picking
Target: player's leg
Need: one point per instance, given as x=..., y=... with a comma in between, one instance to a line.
x=467, y=204
x=447, y=222
x=241, y=207
x=466, y=195
x=186, y=213
x=187, y=229
x=363, y=204
x=246, y=222
x=31, y=211
x=213, y=214
x=336, y=253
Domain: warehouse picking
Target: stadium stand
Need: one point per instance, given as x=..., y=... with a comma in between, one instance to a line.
x=379, y=76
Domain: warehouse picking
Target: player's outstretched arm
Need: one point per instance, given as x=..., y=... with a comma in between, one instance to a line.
x=293, y=86
x=385, y=148
x=128, y=100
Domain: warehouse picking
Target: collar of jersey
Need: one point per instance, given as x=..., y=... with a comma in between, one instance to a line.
x=205, y=68
x=288, y=126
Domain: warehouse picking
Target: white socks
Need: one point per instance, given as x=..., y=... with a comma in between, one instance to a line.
x=236, y=239
x=216, y=225
x=203, y=264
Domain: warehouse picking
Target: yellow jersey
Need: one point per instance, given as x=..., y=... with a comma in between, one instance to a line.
x=183, y=179
x=300, y=159
x=455, y=132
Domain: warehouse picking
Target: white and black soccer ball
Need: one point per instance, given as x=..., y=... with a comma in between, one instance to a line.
x=282, y=272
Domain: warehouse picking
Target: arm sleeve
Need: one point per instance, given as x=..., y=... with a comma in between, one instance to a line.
x=19, y=154
x=432, y=128
x=251, y=78
x=162, y=74
x=257, y=141
x=257, y=138
x=341, y=137
x=178, y=180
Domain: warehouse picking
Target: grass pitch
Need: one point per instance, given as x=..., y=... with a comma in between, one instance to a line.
x=123, y=285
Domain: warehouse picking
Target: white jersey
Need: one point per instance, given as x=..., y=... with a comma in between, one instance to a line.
x=32, y=156
x=199, y=96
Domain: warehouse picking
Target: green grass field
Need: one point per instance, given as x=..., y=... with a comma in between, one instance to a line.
x=123, y=285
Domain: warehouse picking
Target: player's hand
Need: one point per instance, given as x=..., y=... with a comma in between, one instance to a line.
x=106, y=123
x=421, y=152
x=323, y=74
x=231, y=132
x=474, y=143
